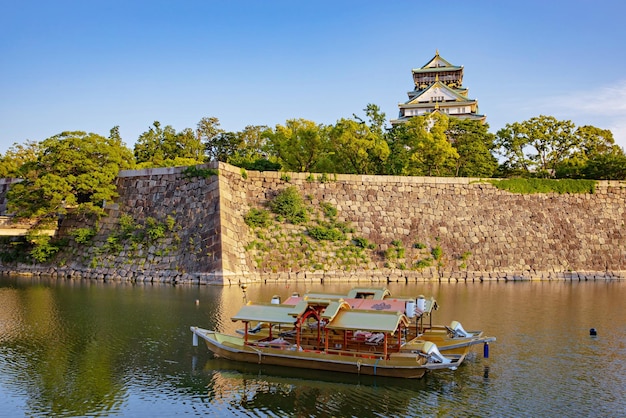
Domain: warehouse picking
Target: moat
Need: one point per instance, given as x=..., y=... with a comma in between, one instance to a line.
x=84, y=347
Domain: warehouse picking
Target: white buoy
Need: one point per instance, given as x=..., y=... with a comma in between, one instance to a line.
x=195, y=339
x=197, y=301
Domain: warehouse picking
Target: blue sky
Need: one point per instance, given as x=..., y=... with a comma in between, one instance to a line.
x=93, y=64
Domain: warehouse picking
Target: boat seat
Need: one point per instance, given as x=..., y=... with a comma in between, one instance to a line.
x=375, y=339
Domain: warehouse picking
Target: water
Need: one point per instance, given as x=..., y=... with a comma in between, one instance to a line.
x=84, y=348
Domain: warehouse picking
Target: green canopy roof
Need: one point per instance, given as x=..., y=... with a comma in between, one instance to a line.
x=366, y=320
x=267, y=312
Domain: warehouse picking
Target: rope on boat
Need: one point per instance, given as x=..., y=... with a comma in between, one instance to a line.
x=358, y=366
x=375, y=364
x=259, y=352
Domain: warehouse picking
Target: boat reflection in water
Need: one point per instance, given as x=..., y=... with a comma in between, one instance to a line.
x=293, y=392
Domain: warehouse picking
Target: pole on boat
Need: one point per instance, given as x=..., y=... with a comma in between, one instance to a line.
x=486, y=350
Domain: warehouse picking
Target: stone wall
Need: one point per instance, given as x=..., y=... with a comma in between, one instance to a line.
x=483, y=233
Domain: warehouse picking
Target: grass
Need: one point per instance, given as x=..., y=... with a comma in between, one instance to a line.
x=561, y=186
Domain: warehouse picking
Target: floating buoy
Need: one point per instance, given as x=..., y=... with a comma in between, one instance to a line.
x=593, y=332
x=486, y=350
x=197, y=301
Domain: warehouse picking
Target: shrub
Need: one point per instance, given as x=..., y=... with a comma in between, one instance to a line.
x=436, y=252
x=325, y=233
x=154, y=229
x=257, y=218
x=43, y=249
x=426, y=262
x=127, y=225
x=113, y=245
x=363, y=243
x=329, y=210
x=83, y=235
x=289, y=203
x=170, y=222
x=196, y=171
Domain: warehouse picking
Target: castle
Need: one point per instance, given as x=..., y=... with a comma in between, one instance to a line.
x=438, y=88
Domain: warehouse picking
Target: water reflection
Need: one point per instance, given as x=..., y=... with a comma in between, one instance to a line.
x=282, y=391
x=75, y=348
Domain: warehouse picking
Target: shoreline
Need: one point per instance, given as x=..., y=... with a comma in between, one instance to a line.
x=378, y=276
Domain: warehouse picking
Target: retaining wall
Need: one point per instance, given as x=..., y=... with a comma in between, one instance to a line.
x=483, y=233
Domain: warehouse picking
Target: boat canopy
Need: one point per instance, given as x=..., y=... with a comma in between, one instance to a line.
x=267, y=312
x=333, y=308
x=391, y=305
x=377, y=293
x=368, y=320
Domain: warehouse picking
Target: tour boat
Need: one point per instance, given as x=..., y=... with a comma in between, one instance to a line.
x=450, y=339
x=327, y=334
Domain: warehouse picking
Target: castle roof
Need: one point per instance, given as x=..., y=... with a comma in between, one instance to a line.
x=437, y=64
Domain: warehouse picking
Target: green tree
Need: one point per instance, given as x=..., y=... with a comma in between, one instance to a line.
x=427, y=149
x=73, y=169
x=164, y=147
x=253, y=151
x=398, y=140
x=16, y=156
x=594, y=141
x=357, y=149
x=474, y=145
x=208, y=130
x=300, y=144
x=224, y=145
x=537, y=145
x=608, y=166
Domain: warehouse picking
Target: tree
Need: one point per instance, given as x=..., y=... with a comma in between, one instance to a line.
x=474, y=144
x=73, y=169
x=357, y=149
x=207, y=131
x=224, y=145
x=594, y=141
x=253, y=152
x=164, y=147
x=608, y=166
x=537, y=145
x=299, y=144
x=16, y=156
x=420, y=147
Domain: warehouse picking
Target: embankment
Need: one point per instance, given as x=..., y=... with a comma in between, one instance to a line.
x=192, y=230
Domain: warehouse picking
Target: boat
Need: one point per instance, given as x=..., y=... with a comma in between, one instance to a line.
x=450, y=339
x=326, y=334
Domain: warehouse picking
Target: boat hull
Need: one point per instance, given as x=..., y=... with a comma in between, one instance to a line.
x=404, y=365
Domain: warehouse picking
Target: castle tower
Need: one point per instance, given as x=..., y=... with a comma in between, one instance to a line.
x=438, y=88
